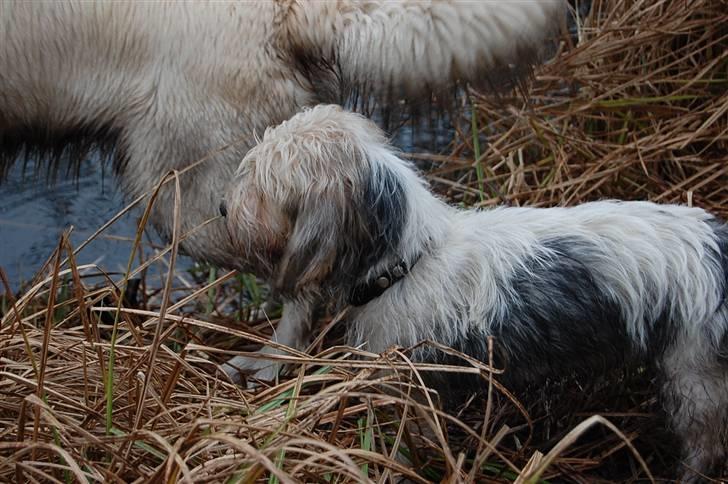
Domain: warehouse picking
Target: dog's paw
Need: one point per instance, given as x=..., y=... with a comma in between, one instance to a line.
x=253, y=368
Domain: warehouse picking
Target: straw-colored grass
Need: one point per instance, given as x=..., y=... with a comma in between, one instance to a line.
x=635, y=110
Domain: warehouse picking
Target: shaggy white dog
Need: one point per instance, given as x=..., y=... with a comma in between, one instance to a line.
x=165, y=84
x=325, y=210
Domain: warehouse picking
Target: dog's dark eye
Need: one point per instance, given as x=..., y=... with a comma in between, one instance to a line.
x=223, y=209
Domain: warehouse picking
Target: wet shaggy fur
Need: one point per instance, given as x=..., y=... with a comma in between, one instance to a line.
x=323, y=204
x=161, y=85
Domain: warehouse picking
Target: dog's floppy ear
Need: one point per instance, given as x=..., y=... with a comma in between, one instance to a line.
x=311, y=249
x=343, y=228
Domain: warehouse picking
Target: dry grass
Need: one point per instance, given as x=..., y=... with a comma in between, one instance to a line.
x=636, y=110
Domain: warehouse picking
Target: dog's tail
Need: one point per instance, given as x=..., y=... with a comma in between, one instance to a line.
x=412, y=48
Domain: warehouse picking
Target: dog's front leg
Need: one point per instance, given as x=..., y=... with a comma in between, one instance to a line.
x=293, y=330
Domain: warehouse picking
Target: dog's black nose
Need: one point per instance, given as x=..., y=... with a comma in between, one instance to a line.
x=223, y=209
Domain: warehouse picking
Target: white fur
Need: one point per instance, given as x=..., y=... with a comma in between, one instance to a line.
x=313, y=199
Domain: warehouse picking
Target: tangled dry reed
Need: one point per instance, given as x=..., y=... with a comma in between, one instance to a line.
x=90, y=390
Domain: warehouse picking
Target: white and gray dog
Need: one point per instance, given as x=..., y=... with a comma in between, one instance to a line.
x=325, y=209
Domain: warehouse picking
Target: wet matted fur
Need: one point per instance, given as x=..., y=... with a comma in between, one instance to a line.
x=324, y=208
x=161, y=85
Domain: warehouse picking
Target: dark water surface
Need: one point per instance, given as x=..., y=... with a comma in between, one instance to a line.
x=33, y=215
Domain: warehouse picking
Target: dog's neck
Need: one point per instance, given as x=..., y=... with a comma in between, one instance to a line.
x=373, y=288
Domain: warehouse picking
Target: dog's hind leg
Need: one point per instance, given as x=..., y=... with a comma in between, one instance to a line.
x=293, y=330
x=696, y=399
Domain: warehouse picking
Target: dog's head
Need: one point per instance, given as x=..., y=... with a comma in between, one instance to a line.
x=318, y=202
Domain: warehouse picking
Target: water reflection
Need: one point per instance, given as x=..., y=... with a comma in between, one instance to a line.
x=33, y=215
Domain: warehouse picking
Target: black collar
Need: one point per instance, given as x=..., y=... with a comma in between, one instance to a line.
x=367, y=291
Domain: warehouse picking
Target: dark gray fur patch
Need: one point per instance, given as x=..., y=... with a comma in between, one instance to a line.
x=385, y=204
x=558, y=321
x=373, y=229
